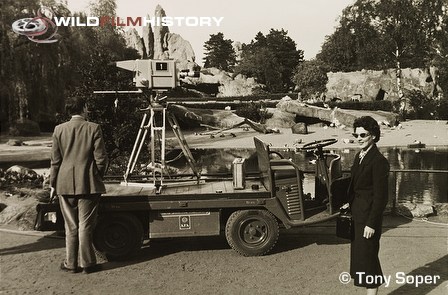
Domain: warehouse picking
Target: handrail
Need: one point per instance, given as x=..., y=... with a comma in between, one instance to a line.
x=395, y=170
x=394, y=173
x=419, y=170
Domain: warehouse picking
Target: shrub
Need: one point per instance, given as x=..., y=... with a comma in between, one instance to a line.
x=376, y=105
x=426, y=108
x=254, y=112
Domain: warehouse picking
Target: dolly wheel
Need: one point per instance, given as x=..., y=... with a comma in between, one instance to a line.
x=118, y=236
x=252, y=232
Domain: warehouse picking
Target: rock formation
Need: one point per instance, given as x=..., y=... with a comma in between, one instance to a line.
x=179, y=49
x=159, y=43
x=367, y=85
x=134, y=40
x=148, y=41
x=159, y=35
x=228, y=86
x=338, y=117
x=238, y=47
x=280, y=118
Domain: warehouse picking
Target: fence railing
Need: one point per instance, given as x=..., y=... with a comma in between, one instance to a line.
x=393, y=194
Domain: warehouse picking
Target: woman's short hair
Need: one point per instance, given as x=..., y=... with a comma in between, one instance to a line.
x=369, y=124
x=75, y=105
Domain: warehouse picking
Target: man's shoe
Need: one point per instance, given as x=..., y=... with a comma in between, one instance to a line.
x=91, y=269
x=63, y=267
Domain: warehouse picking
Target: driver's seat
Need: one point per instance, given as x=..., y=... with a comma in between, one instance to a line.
x=283, y=179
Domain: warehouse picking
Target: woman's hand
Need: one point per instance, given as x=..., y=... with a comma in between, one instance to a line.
x=52, y=193
x=368, y=232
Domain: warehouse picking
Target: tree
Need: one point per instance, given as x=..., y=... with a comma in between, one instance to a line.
x=97, y=48
x=262, y=64
x=355, y=44
x=391, y=33
x=311, y=77
x=32, y=76
x=378, y=34
x=35, y=79
x=286, y=54
x=337, y=52
x=219, y=53
x=271, y=59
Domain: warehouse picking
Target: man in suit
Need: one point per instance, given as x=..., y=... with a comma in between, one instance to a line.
x=78, y=164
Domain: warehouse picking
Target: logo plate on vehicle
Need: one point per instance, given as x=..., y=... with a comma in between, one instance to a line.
x=184, y=222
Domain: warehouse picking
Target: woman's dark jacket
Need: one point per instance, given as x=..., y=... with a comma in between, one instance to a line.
x=368, y=190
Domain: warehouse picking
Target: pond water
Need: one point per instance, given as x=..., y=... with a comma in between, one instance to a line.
x=416, y=187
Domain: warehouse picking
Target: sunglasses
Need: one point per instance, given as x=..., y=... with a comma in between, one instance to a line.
x=362, y=135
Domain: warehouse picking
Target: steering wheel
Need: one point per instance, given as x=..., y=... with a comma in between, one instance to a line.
x=318, y=144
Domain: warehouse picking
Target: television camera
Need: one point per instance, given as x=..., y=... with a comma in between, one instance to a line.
x=156, y=76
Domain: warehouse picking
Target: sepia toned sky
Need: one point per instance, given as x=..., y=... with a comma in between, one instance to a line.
x=307, y=21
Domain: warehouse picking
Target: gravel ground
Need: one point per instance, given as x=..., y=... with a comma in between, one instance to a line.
x=304, y=261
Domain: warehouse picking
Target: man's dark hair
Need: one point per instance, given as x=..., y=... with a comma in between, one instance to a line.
x=369, y=124
x=75, y=105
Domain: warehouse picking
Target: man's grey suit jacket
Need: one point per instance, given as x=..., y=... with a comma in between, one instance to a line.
x=78, y=158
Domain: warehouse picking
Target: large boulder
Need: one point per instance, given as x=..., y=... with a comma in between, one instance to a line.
x=24, y=171
x=15, y=142
x=20, y=176
x=280, y=119
x=228, y=85
x=300, y=128
x=239, y=86
x=415, y=210
x=209, y=117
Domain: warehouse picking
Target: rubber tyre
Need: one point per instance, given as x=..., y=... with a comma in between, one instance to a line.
x=118, y=236
x=252, y=232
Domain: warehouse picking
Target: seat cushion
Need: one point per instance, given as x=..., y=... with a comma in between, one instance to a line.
x=283, y=171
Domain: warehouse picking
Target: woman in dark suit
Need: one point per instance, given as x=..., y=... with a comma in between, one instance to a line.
x=368, y=193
